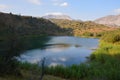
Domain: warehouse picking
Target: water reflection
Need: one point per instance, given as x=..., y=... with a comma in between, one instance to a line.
x=57, y=47
x=61, y=51
x=12, y=46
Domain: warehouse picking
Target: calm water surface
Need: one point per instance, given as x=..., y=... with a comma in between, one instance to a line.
x=63, y=50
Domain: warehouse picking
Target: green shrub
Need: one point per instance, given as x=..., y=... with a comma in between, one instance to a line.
x=111, y=37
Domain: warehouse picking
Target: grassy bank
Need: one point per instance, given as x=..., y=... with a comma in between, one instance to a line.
x=28, y=72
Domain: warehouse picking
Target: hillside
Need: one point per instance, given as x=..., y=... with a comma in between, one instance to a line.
x=80, y=28
x=28, y=25
x=111, y=20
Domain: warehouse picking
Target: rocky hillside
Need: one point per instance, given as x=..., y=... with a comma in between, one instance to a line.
x=80, y=28
x=57, y=16
x=111, y=20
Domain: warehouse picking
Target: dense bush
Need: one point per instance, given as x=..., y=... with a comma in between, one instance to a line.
x=112, y=37
x=88, y=34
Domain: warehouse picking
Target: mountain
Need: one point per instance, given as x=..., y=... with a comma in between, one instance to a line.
x=57, y=16
x=27, y=25
x=111, y=20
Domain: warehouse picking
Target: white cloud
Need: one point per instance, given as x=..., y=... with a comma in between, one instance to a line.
x=53, y=64
x=117, y=11
x=64, y=4
x=63, y=59
x=36, y=2
x=54, y=13
x=60, y=3
x=2, y=6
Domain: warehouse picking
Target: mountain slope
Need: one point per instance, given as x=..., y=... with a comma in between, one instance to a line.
x=111, y=20
x=80, y=28
x=28, y=25
x=57, y=16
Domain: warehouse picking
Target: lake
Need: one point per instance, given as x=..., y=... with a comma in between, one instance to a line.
x=59, y=50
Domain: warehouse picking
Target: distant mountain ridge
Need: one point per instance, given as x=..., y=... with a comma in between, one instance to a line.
x=111, y=20
x=60, y=16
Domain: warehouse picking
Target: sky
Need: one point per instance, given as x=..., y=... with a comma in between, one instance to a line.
x=77, y=9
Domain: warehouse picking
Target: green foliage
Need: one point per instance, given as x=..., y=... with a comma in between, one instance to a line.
x=9, y=66
x=88, y=34
x=112, y=37
x=73, y=72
